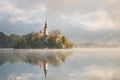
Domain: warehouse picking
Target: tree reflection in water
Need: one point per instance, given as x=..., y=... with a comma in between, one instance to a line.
x=40, y=58
x=53, y=58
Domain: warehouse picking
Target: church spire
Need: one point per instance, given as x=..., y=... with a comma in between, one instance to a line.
x=45, y=24
x=45, y=31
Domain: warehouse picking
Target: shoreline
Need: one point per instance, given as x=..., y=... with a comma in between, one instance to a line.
x=62, y=48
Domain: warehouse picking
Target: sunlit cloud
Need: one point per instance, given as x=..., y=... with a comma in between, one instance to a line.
x=90, y=15
x=16, y=15
x=91, y=21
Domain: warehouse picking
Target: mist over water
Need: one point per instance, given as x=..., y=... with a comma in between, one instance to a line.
x=72, y=64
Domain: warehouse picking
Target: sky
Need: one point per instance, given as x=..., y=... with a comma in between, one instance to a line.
x=81, y=20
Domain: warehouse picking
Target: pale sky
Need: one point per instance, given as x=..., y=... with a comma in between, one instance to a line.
x=87, y=19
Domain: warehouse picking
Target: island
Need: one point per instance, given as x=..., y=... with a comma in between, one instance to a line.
x=36, y=40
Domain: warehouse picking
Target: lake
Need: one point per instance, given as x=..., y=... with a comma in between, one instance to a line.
x=63, y=64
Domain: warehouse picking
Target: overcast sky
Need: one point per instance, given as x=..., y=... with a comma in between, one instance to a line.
x=74, y=17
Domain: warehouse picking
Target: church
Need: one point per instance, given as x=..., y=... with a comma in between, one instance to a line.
x=43, y=34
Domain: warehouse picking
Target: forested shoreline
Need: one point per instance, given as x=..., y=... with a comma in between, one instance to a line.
x=29, y=41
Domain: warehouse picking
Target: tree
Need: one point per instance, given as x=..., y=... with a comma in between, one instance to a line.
x=15, y=37
x=22, y=43
x=53, y=41
x=55, y=32
x=66, y=43
x=6, y=41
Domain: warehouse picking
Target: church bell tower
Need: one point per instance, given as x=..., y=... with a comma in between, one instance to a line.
x=45, y=31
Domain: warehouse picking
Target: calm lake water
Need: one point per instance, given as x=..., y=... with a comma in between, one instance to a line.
x=76, y=64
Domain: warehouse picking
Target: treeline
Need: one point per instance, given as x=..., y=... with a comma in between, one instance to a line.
x=31, y=41
x=8, y=41
x=53, y=41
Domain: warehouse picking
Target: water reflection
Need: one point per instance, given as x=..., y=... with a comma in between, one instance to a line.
x=36, y=58
x=85, y=64
x=45, y=66
x=54, y=58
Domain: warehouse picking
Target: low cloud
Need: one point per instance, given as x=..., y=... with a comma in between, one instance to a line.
x=92, y=21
